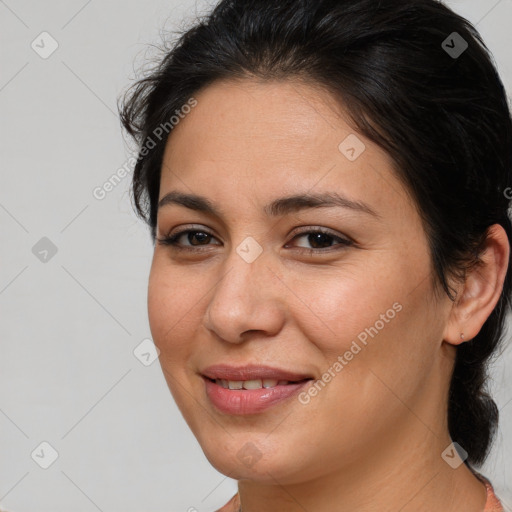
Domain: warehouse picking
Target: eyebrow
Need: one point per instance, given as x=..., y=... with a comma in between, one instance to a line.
x=278, y=207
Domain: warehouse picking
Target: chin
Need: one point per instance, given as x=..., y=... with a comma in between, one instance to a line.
x=249, y=457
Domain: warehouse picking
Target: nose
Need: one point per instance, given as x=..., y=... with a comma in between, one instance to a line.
x=248, y=298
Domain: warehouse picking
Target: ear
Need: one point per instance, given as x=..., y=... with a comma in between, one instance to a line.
x=479, y=294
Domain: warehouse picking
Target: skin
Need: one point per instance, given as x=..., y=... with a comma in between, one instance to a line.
x=372, y=438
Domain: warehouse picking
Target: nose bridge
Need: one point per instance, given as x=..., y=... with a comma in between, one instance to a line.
x=245, y=297
x=238, y=288
x=246, y=264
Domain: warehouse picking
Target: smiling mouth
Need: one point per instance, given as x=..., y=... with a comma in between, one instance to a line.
x=251, y=389
x=254, y=383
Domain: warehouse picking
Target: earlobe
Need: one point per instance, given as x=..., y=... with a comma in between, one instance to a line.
x=481, y=290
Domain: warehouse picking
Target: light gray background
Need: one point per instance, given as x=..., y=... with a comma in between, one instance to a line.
x=69, y=326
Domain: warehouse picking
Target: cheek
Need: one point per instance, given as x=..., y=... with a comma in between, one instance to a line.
x=173, y=310
x=174, y=300
x=379, y=318
x=336, y=306
x=382, y=337
x=381, y=343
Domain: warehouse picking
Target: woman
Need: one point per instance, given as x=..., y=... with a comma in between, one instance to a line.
x=326, y=185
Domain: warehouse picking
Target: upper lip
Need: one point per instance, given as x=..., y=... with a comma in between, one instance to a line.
x=251, y=372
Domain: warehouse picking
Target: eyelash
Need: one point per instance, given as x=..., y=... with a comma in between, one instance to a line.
x=172, y=241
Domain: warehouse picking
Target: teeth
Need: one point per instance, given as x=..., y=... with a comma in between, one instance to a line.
x=250, y=384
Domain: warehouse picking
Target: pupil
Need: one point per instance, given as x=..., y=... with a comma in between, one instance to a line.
x=319, y=240
x=198, y=236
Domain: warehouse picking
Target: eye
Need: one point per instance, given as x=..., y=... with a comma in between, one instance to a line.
x=194, y=237
x=321, y=239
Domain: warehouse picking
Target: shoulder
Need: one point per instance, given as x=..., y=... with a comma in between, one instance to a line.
x=233, y=505
x=492, y=504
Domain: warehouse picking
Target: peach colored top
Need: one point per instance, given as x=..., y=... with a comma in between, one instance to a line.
x=492, y=504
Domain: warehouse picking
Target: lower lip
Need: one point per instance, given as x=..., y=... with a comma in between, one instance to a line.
x=249, y=401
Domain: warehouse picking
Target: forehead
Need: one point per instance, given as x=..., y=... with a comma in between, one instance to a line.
x=250, y=139
x=288, y=116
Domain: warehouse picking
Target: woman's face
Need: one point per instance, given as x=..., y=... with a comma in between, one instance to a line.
x=353, y=309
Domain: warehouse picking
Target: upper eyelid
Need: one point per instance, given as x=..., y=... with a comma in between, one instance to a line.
x=186, y=229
